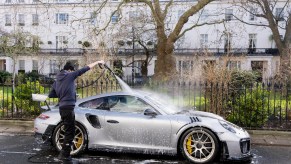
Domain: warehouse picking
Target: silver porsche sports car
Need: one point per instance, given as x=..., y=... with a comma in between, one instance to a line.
x=138, y=121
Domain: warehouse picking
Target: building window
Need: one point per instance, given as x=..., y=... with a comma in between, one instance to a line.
x=203, y=40
x=7, y=20
x=53, y=67
x=279, y=15
x=253, y=12
x=233, y=65
x=35, y=65
x=61, y=42
x=62, y=18
x=21, y=65
x=204, y=15
x=20, y=1
x=7, y=1
x=93, y=18
x=21, y=20
x=137, y=68
x=115, y=17
x=227, y=42
x=228, y=14
x=252, y=43
x=185, y=67
x=35, y=19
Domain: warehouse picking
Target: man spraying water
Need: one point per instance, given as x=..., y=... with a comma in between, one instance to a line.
x=64, y=89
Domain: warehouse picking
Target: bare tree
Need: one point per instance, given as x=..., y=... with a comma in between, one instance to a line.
x=276, y=15
x=161, y=12
x=166, y=65
x=138, y=31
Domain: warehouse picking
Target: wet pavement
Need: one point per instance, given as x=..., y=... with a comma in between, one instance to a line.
x=258, y=137
x=19, y=146
x=17, y=149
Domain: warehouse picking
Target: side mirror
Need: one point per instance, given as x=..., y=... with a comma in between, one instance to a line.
x=150, y=112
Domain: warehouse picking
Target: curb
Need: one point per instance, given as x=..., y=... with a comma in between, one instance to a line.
x=269, y=132
x=16, y=127
x=17, y=122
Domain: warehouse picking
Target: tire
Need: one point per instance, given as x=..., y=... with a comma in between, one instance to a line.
x=199, y=145
x=79, y=142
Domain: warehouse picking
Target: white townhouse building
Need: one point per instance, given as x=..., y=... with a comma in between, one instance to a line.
x=69, y=30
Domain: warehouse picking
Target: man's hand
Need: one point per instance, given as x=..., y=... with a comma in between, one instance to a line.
x=100, y=62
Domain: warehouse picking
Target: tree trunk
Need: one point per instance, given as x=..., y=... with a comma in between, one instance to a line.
x=285, y=66
x=165, y=67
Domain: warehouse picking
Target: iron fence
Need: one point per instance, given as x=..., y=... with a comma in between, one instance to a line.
x=258, y=106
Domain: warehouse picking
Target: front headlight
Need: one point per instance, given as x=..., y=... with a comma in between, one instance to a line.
x=227, y=126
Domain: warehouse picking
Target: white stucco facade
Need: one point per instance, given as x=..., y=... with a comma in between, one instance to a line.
x=66, y=24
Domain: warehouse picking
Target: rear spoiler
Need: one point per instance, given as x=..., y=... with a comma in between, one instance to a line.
x=40, y=98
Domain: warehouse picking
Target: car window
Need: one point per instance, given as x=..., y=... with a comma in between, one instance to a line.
x=99, y=103
x=129, y=104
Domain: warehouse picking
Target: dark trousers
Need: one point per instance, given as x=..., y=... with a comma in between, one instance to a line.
x=68, y=117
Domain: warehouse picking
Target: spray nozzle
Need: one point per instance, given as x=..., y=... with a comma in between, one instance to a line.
x=101, y=65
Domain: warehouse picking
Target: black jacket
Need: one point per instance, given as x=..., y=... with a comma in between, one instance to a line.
x=64, y=86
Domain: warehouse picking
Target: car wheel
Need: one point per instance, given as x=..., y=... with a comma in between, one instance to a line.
x=79, y=142
x=199, y=145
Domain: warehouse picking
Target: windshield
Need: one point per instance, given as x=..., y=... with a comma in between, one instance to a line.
x=164, y=104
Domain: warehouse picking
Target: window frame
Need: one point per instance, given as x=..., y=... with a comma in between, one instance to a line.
x=203, y=40
x=62, y=18
x=8, y=20
x=21, y=65
x=21, y=20
x=35, y=19
x=279, y=14
x=228, y=14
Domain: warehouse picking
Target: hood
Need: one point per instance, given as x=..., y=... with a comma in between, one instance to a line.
x=204, y=114
x=62, y=75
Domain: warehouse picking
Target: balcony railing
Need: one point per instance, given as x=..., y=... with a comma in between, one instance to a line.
x=214, y=51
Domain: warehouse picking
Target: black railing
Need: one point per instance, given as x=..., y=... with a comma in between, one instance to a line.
x=124, y=51
x=258, y=106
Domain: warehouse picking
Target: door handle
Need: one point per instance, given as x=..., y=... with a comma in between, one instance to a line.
x=112, y=121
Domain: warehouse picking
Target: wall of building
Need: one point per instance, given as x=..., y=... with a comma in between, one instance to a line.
x=80, y=27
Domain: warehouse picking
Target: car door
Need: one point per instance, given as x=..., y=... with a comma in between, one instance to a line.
x=127, y=126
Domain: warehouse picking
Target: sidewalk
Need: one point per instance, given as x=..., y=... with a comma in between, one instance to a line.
x=258, y=137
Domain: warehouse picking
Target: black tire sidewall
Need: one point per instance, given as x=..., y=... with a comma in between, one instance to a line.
x=83, y=147
x=207, y=131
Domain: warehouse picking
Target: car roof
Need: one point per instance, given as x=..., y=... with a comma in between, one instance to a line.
x=134, y=93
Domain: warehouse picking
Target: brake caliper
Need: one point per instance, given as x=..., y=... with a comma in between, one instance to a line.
x=189, y=145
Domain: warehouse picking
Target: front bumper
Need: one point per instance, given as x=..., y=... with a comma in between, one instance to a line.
x=242, y=155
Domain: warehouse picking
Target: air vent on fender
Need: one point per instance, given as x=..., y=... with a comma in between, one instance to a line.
x=195, y=119
x=93, y=120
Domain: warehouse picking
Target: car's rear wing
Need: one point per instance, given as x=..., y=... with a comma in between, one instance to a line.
x=40, y=98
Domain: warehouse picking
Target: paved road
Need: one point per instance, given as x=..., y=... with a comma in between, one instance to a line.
x=24, y=149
